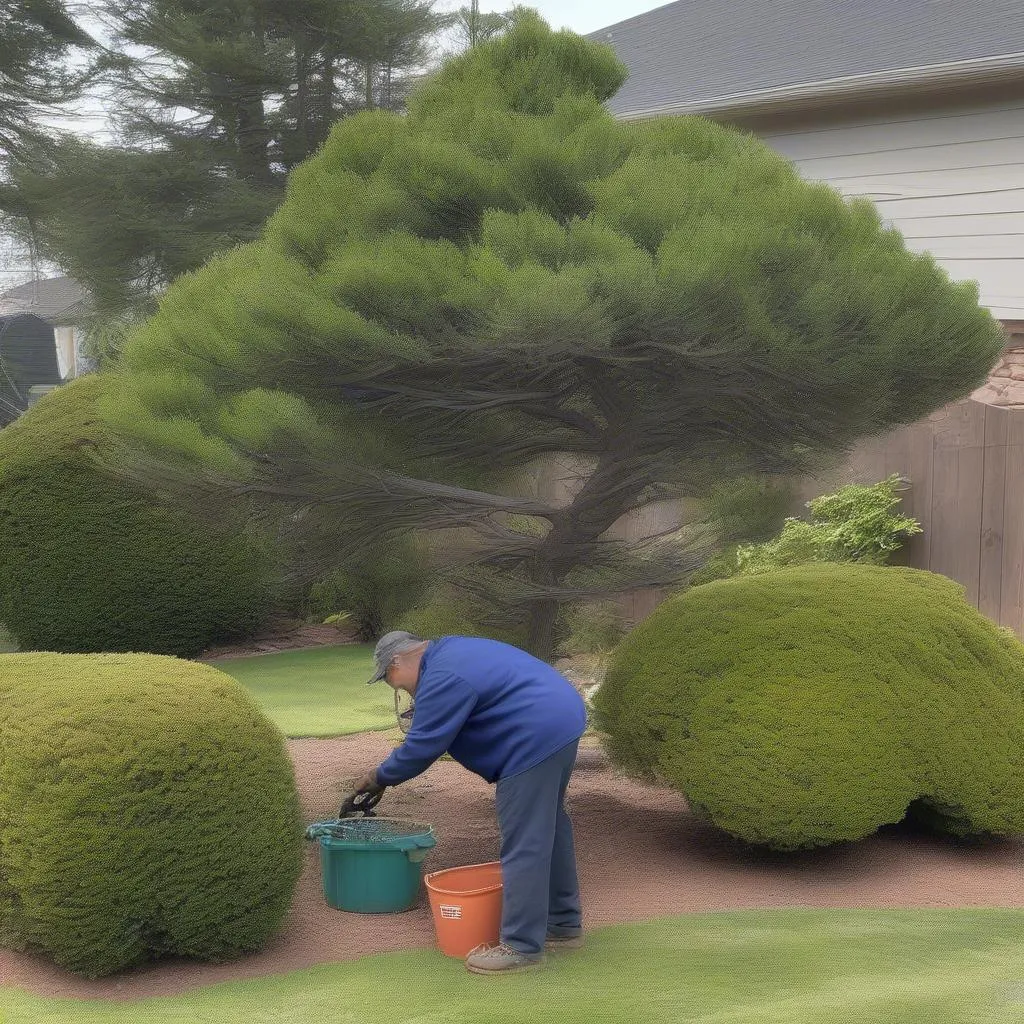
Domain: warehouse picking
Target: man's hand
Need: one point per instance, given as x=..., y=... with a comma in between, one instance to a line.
x=369, y=783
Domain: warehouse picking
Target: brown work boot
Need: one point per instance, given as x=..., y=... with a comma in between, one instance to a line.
x=565, y=939
x=500, y=959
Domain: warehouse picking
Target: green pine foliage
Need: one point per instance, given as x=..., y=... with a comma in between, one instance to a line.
x=147, y=809
x=855, y=524
x=811, y=705
x=507, y=272
x=40, y=44
x=441, y=615
x=90, y=563
x=263, y=82
x=593, y=628
x=374, y=589
x=447, y=611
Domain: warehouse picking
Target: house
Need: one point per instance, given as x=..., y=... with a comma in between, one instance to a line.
x=916, y=104
x=919, y=106
x=28, y=363
x=62, y=303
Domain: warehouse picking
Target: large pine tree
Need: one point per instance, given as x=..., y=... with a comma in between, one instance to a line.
x=508, y=272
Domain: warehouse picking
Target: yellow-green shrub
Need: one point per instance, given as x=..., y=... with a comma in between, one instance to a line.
x=89, y=563
x=810, y=705
x=147, y=809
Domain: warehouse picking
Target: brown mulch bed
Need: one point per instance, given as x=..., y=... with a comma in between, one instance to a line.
x=641, y=855
x=298, y=637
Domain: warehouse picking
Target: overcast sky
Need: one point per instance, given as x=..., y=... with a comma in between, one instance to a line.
x=581, y=15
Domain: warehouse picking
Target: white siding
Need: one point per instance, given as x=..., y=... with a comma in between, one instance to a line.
x=65, y=340
x=951, y=181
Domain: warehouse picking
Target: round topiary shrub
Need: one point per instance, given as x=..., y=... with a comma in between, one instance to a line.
x=90, y=564
x=147, y=809
x=811, y=705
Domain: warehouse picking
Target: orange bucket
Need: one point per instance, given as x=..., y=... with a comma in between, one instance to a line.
x=466, y=904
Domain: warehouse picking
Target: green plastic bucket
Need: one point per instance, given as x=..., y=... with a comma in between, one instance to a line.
x=374, y=865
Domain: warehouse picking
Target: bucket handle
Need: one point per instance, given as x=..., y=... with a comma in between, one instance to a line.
x=423, y=845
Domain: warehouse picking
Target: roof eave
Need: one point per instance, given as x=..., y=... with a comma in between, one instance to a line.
x=961, y=74
x=69, y=315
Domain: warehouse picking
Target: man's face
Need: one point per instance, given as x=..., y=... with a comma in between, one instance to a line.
x=403, y=670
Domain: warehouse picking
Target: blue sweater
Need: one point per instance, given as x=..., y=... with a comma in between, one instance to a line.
x=496, y=709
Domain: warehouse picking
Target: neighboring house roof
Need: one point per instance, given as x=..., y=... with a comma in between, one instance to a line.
x=57, y=300
x=28, y=357
x=717, y=56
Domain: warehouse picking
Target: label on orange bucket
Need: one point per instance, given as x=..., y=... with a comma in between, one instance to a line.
x=453, y=913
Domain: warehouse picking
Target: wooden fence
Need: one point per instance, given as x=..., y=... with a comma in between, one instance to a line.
x=965, y=464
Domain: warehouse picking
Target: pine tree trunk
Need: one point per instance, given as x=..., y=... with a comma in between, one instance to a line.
x=610, y=492
x=540, y=640
x=369, y=86
x=253, y=141
x=303, y=114
x=253, y=134
x=326, y=98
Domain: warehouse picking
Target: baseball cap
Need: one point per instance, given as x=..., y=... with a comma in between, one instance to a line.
x=387, y=647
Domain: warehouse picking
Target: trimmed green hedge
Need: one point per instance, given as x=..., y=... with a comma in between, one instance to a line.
x=90, y=564
x=147, y=808
x=811, y=705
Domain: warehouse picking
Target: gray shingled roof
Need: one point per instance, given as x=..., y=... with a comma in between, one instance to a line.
x=695, y=51
x=55, y=299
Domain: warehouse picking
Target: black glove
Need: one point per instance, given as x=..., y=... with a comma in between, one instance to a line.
x=361, y=802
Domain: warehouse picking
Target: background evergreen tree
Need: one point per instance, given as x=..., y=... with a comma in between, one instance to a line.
x=36, y=39
x=44, y=62
x=471, y=26
x=507, y=272
x=212, y=103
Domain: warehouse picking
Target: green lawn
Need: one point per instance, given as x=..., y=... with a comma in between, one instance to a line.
x=319, y=691
x=745, y=967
